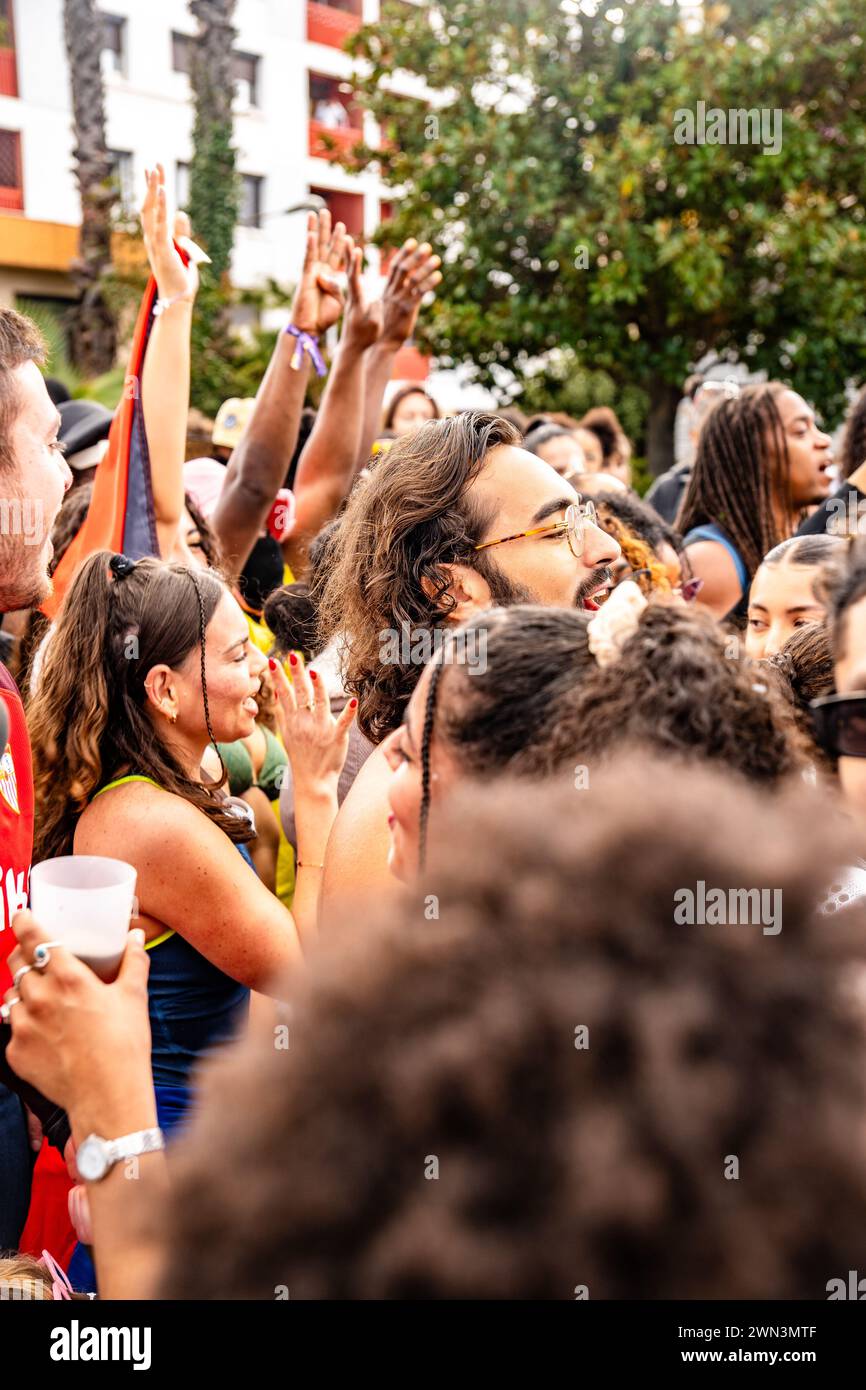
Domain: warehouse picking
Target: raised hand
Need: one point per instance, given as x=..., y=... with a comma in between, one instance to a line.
x=174, y=280
x=316, y=742
x=363, y=323
x=414, y=272
x=320, y=296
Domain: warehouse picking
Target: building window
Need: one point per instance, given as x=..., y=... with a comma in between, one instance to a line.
x=331, y=103
x=181, y=52
x=245, y=67
x=251, y=200
x=11, y=192
x=121, y=177
x=245, y=71
x=113, y=44
x=181, y=187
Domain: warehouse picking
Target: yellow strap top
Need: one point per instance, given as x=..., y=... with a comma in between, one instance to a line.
x=119, y=782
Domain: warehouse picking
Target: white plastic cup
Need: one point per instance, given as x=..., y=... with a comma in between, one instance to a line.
x=86, y=902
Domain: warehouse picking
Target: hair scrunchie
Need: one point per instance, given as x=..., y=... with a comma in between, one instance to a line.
x=121, y=566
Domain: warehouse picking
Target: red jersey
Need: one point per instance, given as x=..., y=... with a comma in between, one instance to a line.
x=16, y=820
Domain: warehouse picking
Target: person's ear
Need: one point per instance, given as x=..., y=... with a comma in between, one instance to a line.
x=468, y=590
x=161, y=689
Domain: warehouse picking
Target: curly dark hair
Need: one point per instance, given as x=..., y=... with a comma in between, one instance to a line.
x=842, y=584
x=492, y=718
x=410, y=517
x=679, y=688
x=854, y=441
x=545, y=1087
x=805, y=668
x=290, y=612
x=533, y=657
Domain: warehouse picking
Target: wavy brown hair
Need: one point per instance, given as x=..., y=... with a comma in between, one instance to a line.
x=88, y=719
x=401, y=525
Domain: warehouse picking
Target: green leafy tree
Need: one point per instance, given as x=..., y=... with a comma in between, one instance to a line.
x=545, y=168
x=214, y=199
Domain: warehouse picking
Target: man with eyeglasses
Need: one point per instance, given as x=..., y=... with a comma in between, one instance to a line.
x=456, y=519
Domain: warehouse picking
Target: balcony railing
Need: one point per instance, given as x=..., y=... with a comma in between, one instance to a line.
x=343, y=137
x=330, y=26
x=8, y=73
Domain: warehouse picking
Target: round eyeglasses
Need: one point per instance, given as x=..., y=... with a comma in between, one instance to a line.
x=577, y=516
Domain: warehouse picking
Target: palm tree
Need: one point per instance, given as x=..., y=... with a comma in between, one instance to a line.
x=94, y=335
x=213, y=206
x=214, y=198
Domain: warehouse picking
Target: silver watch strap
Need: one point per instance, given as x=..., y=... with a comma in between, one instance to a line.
x=143, y=1141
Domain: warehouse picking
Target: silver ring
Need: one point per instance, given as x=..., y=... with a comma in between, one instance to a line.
x=42, y=953
x=6, y=1009
x=19, y=975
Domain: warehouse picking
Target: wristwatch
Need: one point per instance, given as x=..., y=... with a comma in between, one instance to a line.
x=95, y=1156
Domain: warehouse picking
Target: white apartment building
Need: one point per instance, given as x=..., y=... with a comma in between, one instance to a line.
x=289, y=68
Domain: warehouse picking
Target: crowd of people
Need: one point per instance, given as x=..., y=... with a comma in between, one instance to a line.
x=416, y=728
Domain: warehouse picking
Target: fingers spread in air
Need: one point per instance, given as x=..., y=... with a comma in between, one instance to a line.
x=283, y=687
x=346, y=715
x=324, y=233
x=304, y=693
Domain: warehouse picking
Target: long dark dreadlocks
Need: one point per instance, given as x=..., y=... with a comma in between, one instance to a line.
x=854, y=444
x=741, y=470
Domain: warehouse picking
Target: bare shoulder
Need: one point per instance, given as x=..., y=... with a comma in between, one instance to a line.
x=712, y=562
x=140, y=814
x=357, y=856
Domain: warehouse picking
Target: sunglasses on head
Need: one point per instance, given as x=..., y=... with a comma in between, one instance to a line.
x=840, y=724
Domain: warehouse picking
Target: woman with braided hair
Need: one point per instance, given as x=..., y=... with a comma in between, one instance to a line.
x=761, y=460
x=149, y=665
x=469, y=718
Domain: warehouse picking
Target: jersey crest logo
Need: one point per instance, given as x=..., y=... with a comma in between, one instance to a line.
x=8, y=781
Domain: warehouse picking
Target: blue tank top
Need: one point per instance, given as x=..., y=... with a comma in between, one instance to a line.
x=712, y=532
x=192, y=1004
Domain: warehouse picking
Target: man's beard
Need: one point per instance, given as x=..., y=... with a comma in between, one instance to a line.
x=24, y=581
x=504, y=593
x=600, y=575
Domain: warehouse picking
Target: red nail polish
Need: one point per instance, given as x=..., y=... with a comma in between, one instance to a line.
x=293, y=659
x=352, y=704
x=313, y=676
x=272, y=663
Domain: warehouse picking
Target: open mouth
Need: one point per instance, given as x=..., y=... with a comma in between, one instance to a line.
x=250, y=705
x=594, y=601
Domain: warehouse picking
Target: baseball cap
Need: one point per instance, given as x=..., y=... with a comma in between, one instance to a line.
x=231, y=421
